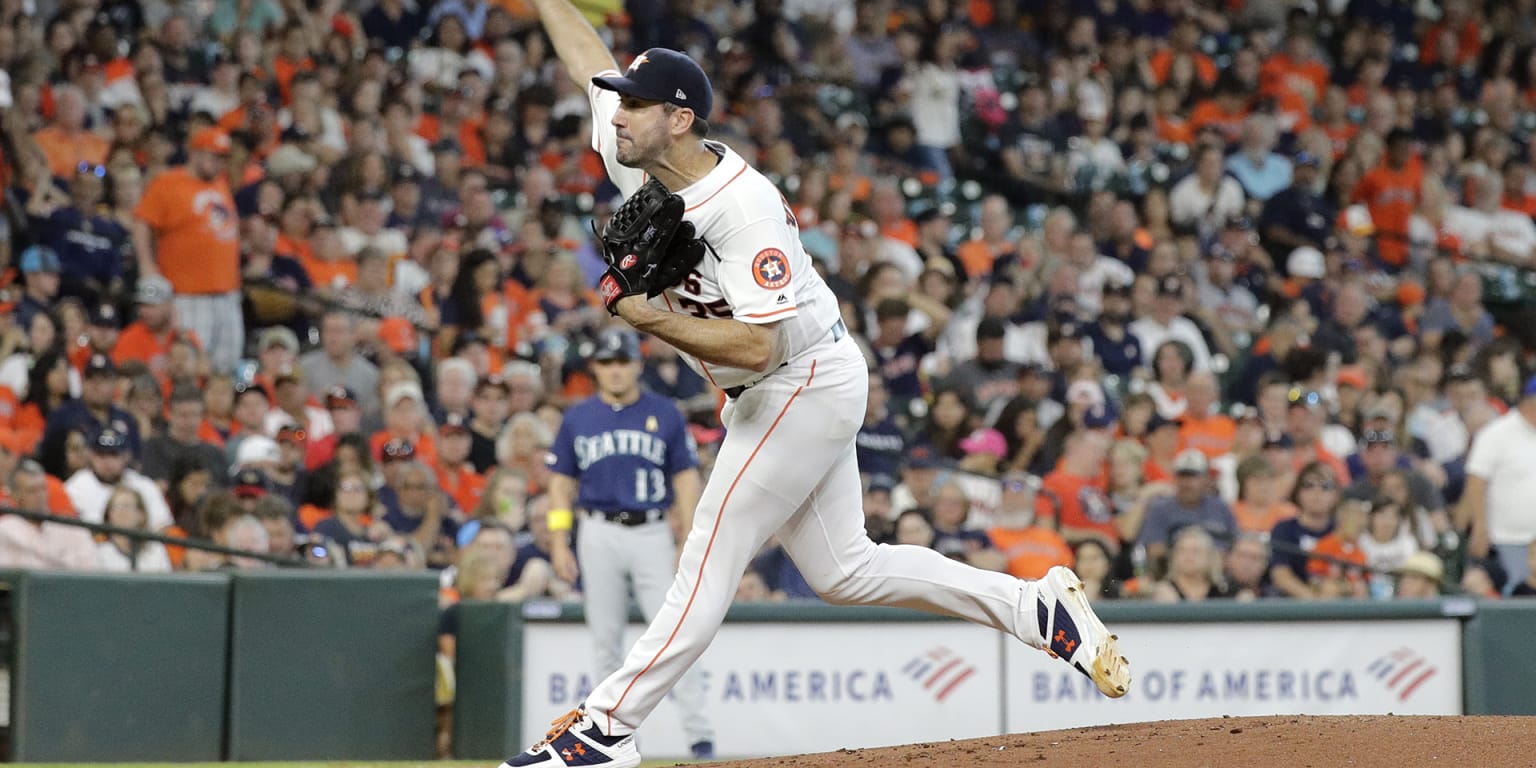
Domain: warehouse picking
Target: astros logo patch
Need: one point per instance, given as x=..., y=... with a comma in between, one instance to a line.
x=770, y=269
x=627, y=261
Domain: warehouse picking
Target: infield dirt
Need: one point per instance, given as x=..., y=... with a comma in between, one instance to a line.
x=1282, y=741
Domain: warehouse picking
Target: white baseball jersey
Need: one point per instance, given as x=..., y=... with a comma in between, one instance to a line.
x=755, y=269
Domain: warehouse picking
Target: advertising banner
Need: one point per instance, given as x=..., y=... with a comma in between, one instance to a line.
x=776, y=689
x=1186, y=671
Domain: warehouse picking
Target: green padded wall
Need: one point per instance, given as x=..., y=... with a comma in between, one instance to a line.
x=332, y=667
x=489, y=669
x=1496, y=658
x=118, y=668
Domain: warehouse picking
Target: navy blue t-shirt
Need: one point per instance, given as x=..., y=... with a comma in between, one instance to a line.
x=898, y=366
x=74, y=415
x=89, y=247
x=880, y=447
x=624, y=457
x=1293, y=533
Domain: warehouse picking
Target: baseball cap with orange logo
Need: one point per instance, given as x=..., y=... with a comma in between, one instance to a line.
x=210, y=140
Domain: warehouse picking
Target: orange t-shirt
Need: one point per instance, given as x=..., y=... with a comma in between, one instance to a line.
x=978, y=257
x=464, y=486
x=29, y=423
x=284, y=69
x=1031, y=551
x=1391, y=195
x=428, y=127
x=904, y=230
x=137, y=342
x=1252, y=520
x=1081, y=503
x=1212, y=435
x=1162, y=61
x=1173, y=129
x=1281, y=74
x=1209, y=113
x=197, y=233
x=66, y=151
x=1335, y=547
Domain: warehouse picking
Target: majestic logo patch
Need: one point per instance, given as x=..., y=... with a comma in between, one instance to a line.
x=627, y=261
x=770, y=269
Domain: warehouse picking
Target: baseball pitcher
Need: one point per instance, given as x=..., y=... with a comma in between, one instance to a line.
x=705, y=254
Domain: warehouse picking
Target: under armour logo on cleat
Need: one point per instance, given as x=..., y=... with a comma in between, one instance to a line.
x=579, y=750
x=1061, y=638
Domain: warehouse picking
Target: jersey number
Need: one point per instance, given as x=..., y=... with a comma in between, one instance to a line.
x=650, y=486
x=721, y=308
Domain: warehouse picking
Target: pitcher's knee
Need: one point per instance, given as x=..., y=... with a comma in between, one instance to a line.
x=845, y=585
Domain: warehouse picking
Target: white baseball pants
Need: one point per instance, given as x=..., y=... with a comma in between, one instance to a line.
x=787, y=466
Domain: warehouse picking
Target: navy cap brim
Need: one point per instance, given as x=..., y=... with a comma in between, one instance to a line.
x=627, y=87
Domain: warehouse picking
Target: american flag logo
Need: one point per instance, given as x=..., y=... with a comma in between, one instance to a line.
x=1402, y=671
x=940, y=671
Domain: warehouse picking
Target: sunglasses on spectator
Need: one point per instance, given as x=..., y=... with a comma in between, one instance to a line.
x=99, y=171
x=1303, y=397
x=1316, y=483
x=351, y=486
x=1379, y=436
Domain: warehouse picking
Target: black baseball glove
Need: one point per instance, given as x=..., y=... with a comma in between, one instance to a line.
x=647, y=245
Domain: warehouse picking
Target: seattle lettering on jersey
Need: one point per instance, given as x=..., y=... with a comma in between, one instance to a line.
x=591, y=449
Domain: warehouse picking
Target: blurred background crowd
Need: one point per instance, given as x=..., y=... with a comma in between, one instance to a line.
x=1181, y=292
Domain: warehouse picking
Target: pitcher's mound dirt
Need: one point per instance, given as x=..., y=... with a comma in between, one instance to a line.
x=1289, y=741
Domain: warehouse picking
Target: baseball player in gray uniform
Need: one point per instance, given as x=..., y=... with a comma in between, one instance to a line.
x=755, y=319
x=624, y=459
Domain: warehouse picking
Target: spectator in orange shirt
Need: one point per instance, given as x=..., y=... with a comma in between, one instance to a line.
x=1344, y=574
x=1296, y=68
x=1181, y=63
x=1225, y=111
x=405, y=419
x=1205, y=428
x=980, y=253
x=1390, y=192
x=455, y=475
x=1261, y=501
x=65, y=143
x=186, y=229
x=149, y=338
x=1073, y=495
x=1029, y=542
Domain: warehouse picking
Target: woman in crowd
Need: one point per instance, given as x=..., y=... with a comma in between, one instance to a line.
x=1316, y=495
x=121, y=552
x=1193, y=568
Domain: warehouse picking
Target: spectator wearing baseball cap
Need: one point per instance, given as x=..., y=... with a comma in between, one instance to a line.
x=94, y=410
x=148, y=339
x=346, y=422
x=107, y=468
x=186, y=230
x=405, y=421
x=40, y=271
x=102, y=325
x=1193, y=502
x=455, y=475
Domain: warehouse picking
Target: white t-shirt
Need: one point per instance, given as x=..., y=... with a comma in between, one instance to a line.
x=89, y=496
x=1504, y=454
x=755, y=271
x=1152, y=335
x=152, y=558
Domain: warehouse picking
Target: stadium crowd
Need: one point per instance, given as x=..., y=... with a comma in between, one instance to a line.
x=1177, y=291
